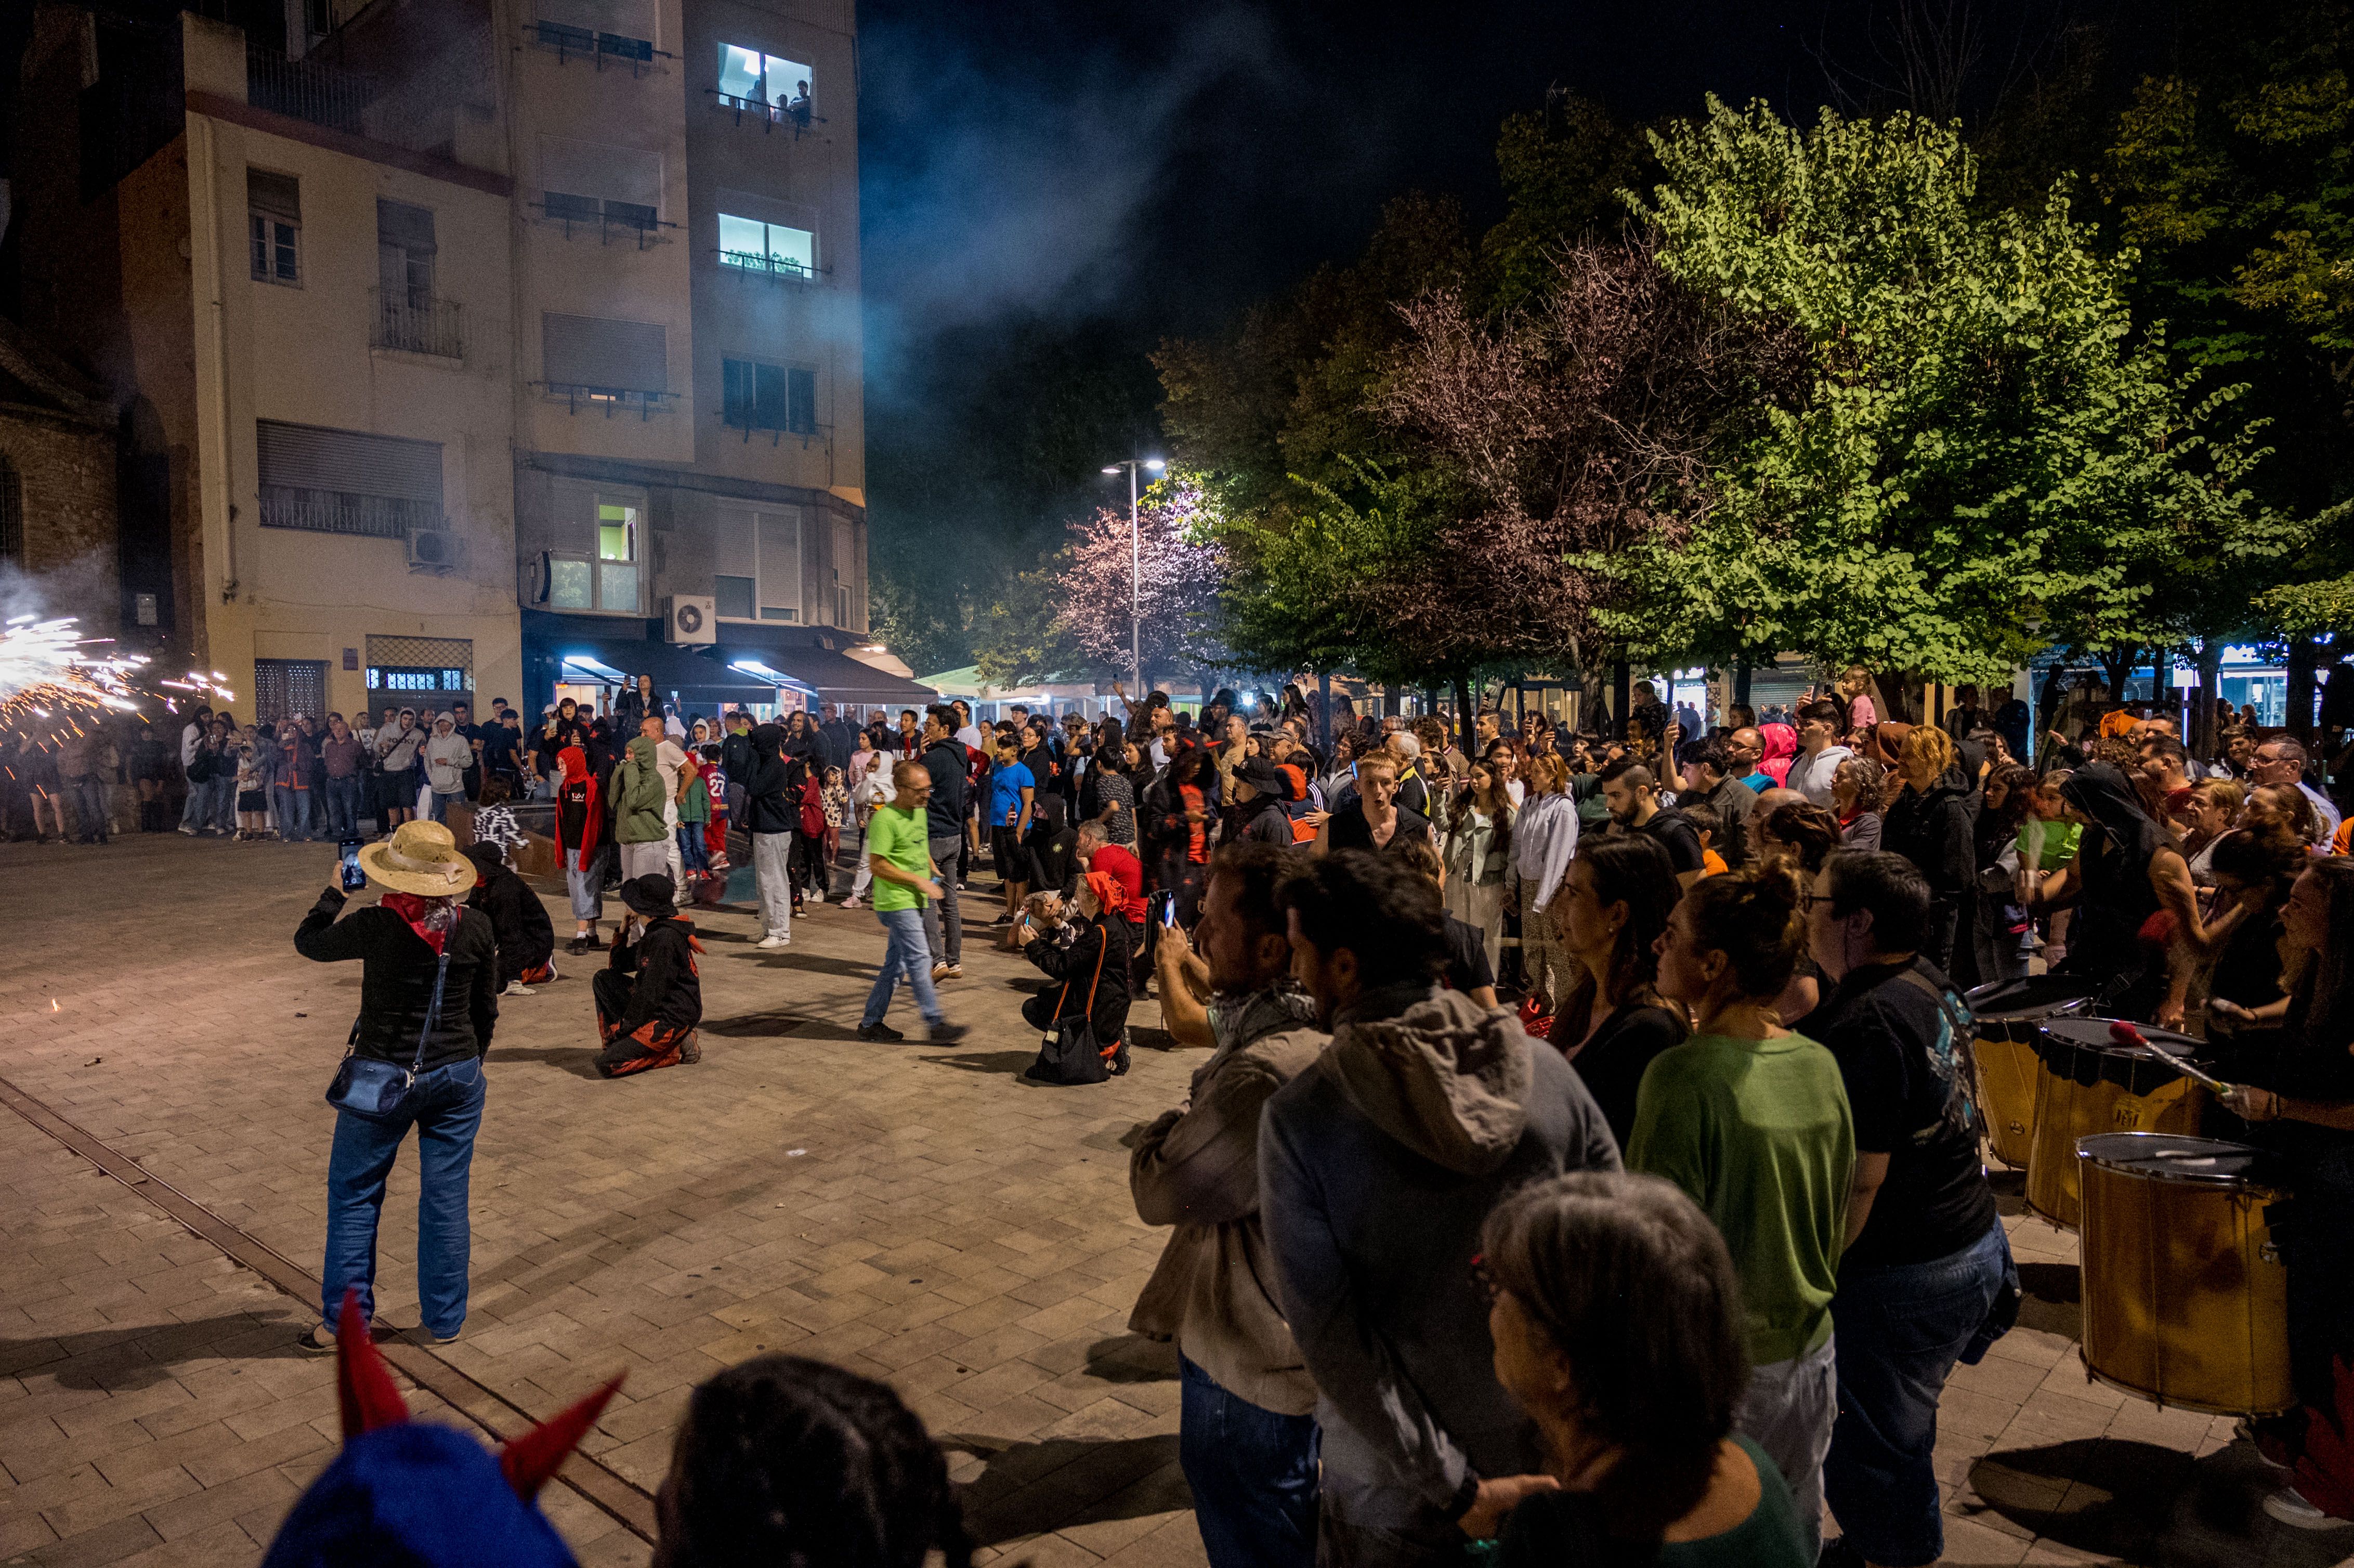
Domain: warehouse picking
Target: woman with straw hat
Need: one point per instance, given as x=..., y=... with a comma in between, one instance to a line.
x=428, y=1005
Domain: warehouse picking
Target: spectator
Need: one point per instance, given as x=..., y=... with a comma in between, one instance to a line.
x=1858, y=786
x=1374, y=819
x=198, y=726
x=344, y=759
x=428, y=1002
x=1929, y=824
x=2281, y=761
x=1926, y=1256
x=785, y=1461
x=944, y=757
x=519, y=922
x=1376, y=1169
x=1478, y=852
x=1814, y=771
x=449, y=756
x=1634, y=800
x=773, y=814
x=398, y=743
x=649, y=993
x=1707, y=784
x=1612, y=909
x=1617, y=1318
x=1752, y=1121
x=1246, y=1429
x=1089, y=955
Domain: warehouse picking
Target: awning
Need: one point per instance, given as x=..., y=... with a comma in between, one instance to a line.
x=683, y=675
x=835, y=677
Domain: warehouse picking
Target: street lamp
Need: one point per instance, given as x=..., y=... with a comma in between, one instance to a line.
x=1135, y=592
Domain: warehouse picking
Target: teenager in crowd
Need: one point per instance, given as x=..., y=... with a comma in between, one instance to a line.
x=1612, y=909
x=649, y=993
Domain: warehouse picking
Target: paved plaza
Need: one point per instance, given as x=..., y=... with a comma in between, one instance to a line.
x=922, y=1215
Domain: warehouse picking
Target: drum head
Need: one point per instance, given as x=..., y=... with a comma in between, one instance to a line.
x=2093, y=1034
x=2029, y=996
x=2175, y=1156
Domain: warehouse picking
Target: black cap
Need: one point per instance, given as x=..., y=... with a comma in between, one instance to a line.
x=1263, y=776
x=653, y=896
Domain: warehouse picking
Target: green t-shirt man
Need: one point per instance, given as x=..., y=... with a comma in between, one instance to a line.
x=1759, y=1134
x=899, y=838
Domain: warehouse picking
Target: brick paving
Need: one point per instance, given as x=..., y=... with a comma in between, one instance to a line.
x=918, y=1214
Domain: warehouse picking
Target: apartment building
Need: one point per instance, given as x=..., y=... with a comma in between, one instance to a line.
x=487, y=347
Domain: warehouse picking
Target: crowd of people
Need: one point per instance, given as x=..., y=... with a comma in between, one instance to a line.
x=1585, y=1159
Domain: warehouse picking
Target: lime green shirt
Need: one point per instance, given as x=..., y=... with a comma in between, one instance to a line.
x=900, y=837
x=1759, y=1133
x=2047, y=846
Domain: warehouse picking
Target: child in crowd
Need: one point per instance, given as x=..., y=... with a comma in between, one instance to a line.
x=252, y=786
x=693, y=813
x=835, y=799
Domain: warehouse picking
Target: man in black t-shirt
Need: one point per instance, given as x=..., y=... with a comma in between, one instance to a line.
x=1633, y=797
x=1926, y=1258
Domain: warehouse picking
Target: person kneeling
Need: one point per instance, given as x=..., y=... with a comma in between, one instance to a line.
x=1086, y=1020
x=648, y=999
x=526, y=937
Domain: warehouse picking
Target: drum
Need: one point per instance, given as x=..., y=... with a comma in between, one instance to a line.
x=2010, y=1013
x=2089, y=1085
x=2186, y=1302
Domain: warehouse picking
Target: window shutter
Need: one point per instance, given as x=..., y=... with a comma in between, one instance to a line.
x=805, y=402
x=410, y=228
x=772, y=398
x=630, y=174
x=609, y=356
x=350, y=462
x=624, y=18
x=279, y=195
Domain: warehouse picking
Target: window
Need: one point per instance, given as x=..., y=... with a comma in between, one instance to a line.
x=274, y=204
x=346, y=482
x=801, y=416
x=592, y=181
x=403, y=253
x=601, y=359
x=759, y=562
x=756, y=78
x=598, y=564
x=759, y=247
x=616, y=19
x=285, y=687
x=757, y=396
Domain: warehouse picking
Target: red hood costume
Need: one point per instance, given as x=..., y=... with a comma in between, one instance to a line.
x=573, y=772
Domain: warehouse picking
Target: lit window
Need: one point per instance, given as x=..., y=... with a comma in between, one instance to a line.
x=757, y=78
x=758, y=247
x=616, y=566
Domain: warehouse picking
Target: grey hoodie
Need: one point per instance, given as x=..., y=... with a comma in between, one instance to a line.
x=1377, y=1167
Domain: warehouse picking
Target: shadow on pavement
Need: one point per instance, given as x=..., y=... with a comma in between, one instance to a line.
x=118, y=1361
x=1012, y=1063
x=2137, y=1502
x=580, y=1061
x=808, y=963
x=1026, y=1488
x=1132, y=1358
x=2055, y=1303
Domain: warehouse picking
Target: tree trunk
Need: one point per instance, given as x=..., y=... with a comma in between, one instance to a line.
x=2204, y=695
x=1621, y=681
x=1896, y=698
x=2047, y=703
x=1463, y=712
x=1740, y=683
x=2300, y=716
x=2116, y=668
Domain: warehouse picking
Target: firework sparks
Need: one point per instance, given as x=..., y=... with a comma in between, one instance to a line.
x=49, y=672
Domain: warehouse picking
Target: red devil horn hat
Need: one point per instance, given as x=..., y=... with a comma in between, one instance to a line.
x=369, y=1400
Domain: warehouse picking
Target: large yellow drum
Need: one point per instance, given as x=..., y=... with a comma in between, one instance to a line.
x=2010, y=1013
x=2186, y=1302
x=2090, y=1085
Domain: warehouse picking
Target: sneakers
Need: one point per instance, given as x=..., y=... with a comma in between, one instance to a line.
x=879, y=1032
x=2289, y=1507
x=319, y=1341
x=817, y=899
x=948, y=1033
x=516, y=988
x=850, y=903
x=188, y=830
x=940, y=972
x=950, y=971
x=773, y=941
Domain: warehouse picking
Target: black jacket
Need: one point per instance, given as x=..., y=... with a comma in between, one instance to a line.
x=669, y=990
x=519, y=922
x=945, y=760
x=397, y=982
x=1265, y=821
x=1935, y=832
x=774, y=784
x=1074, y=964
x=736, y=758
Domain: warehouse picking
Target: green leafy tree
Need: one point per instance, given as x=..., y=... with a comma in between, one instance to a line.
x=1981, y=453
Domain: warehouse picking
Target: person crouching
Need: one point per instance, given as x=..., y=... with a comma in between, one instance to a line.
x=649, y=998
x=519, y=920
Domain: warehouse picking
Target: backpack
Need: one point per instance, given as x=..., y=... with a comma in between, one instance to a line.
x=202, y=767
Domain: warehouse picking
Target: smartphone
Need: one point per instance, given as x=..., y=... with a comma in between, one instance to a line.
x=353, y=877
x=1168, y=909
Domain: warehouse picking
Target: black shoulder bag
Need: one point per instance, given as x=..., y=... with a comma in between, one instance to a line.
x=380, y=1090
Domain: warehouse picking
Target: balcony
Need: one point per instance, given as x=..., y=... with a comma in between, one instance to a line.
x=306, y=90
x=586, y=215
x=415, y=324
x=569, y=43
x=576, y=396
x=769, y=264
x=768, y=116
x=341, y=512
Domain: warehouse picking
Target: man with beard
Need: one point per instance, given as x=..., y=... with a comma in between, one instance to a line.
x=1634, y=801
x=1246, y=1427
x=1377, y=1167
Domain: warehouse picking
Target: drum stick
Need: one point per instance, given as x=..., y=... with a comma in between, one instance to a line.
x=2125, y=1034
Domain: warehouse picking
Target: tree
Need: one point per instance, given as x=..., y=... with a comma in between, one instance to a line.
x=1980, y=453
x=1073, y=614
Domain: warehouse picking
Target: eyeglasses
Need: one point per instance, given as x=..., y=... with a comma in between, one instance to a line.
x=1810, y=899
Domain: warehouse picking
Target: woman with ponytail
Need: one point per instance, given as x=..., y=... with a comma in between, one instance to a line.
x=1752, y=1121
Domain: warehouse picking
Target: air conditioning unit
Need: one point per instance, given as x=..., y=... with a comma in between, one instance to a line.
x=691, y=619
x=435, y=550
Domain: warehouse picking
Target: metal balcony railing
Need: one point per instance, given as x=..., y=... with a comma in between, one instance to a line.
x=342, y=511
x=768, y=265
x=416, y=323
x=570, y=43
x=306, y=89
x=795, y=113
x=578, y=395
x=586, y=214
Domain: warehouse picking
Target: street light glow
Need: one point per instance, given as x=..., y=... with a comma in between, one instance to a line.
x=1155, y=464
x=1113, y=469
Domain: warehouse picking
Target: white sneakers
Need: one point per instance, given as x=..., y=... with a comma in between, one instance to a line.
x=2289, y=1506
x=774, y=941
x=817, y=899
x=516, y=988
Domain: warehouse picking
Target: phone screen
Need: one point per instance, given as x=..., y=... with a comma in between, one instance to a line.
x=1168, y=909
x=353, y=877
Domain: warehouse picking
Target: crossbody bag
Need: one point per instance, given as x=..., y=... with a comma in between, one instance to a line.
x=380, y=1090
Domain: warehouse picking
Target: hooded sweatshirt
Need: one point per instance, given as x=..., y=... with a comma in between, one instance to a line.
x=1377, y=1167
x=637, y=797
x=772, y=802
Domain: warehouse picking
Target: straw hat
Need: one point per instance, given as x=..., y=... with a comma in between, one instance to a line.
x=419, y=857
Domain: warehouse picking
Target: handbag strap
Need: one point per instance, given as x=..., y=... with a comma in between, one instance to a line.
x=434, y=1008
x=1103, y=939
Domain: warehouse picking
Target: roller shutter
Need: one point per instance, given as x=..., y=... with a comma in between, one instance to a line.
x=350, y=462
x=604, y=354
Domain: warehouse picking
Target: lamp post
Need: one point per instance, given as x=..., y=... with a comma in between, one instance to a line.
x=1135, y=569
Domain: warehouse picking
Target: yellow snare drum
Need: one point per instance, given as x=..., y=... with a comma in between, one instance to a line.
x=2090, y=1085
x=2186, y=1302
x=2010, y=1013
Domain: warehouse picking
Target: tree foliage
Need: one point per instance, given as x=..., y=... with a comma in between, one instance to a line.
x=1981, y=451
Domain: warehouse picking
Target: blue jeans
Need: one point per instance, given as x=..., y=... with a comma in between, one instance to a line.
x=219, y=810
x=89, y=806
x=1253, y=1474
x=344, y=807
x=1900, y=1328
x=293, y=811
x=446, y=1108
x=906, y=951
